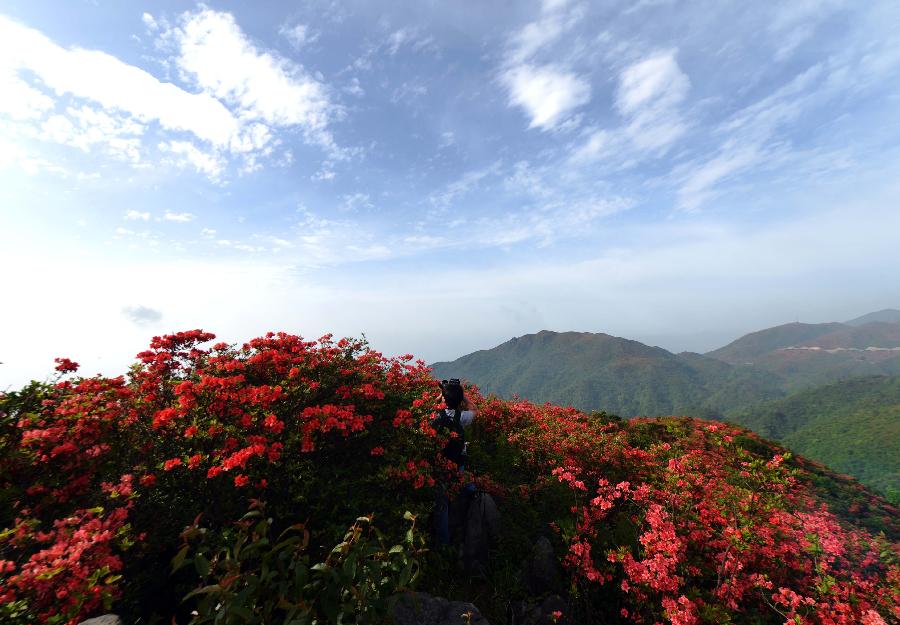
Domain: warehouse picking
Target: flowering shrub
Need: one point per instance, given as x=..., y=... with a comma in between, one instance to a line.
x=197, y=430
x=688, y=527
x=667, y=520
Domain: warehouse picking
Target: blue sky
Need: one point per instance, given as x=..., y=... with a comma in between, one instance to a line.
x=441, y=176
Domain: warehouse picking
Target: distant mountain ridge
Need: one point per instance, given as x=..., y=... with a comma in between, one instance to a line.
x=774, y=371
x=888, y=315
x=597, y=371
x=751, y=346
x=600, y=371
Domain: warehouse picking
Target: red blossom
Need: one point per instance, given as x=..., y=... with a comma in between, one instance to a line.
x=64, y=365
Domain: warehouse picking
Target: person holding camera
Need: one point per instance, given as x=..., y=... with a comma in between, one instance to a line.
x=454, y=418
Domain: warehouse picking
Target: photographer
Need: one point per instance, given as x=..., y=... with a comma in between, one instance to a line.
x=455, y=417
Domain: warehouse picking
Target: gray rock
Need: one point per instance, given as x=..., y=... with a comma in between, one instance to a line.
x=419, y=608
x=482, y=530
x=106, y=619
x=529, y=613
x=541, y=571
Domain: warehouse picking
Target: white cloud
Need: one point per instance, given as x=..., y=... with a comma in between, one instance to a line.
x=134, y=215
x=113, y=84
x=17, y=99
x=407, y=36
x=355, y=201
x=149, y=21
x=298, y=35
x=324, y=173
x=216, y=56
x=697, y=186
x=656, y=82
x=185, y=153
x=180, y=217
x=408, y=92
x=460, y=187
x=751, y=137
x=648, y=97
x=85, y=127
x=245, y=94
x=793, y=23
x=546, y=93
x=354, y=88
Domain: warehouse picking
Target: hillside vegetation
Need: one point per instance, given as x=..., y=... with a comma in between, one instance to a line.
x=290, y=481
x=599, y=371
x=852, y=426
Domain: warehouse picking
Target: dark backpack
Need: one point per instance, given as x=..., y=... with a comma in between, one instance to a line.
x=455, y=448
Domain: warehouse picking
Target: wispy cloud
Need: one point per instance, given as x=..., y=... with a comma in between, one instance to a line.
x=648, y=98
x=214, y=54
x=298, y=35
x=548, y=92
x=137, y=215
x=179, y=217
x=245, y=96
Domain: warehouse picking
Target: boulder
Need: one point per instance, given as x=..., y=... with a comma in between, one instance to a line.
x=419, y=608
x=106, y=619
x=540, y=571
x=530, y=613
x=482, y=530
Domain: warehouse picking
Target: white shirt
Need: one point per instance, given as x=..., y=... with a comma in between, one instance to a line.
x=465, y=417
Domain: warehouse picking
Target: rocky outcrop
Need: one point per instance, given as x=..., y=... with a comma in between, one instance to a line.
x=482, y=530
x=106, y=619
x=419, y=608
x=540, y=572
x=550, y=611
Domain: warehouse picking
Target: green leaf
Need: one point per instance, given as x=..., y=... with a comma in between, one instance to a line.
x=204, y=590
x=178, y=560
x=201, y=564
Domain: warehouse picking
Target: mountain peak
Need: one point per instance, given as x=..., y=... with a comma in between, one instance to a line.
x=888, y=315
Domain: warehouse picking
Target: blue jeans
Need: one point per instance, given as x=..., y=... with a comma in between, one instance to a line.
x=441, y=515
x=442, y=511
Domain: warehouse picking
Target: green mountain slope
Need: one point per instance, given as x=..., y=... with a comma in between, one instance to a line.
x=889, y=315
x=852, y=426
x=807, y=355
x=751, y=346
x=599, y=371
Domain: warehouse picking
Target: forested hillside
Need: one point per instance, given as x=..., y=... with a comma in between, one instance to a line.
x=852, y=426
x=602, y=372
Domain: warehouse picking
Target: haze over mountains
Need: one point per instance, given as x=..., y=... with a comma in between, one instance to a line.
x=768, y=380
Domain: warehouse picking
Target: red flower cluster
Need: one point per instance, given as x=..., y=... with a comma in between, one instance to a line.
x=64, y=365
x=717, y=530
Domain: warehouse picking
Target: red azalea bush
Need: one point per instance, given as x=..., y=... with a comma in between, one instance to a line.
x=669, y=520
x=103, y=474
x=678, y=523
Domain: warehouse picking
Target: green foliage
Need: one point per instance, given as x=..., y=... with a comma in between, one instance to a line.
x=851, y=426
x=247, y=576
